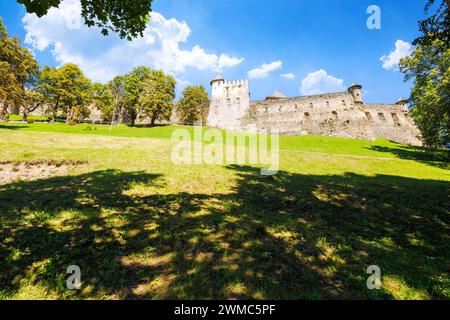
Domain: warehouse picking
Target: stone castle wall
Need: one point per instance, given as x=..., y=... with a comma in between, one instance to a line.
x=392, y=122
x=327, y=114
x=339, y=114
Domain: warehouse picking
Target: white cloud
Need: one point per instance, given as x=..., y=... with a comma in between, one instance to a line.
x=320, y=82
x=264, y=70
x=226, y=61
x=402, y=49
x=289, y=76
x=101, y=58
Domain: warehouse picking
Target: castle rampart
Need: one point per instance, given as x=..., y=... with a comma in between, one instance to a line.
x=341, y=114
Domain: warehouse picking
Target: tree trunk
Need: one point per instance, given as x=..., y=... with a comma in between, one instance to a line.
x=4, y=111
x=25, y=115
x=68, y=115
x=153, y=120
x=133, y=118
x=55, y=109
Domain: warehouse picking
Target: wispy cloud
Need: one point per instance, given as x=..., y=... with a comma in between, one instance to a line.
x=264, y=70
x=289, y=76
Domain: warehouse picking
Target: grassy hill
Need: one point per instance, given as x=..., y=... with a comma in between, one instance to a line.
x=140, y=226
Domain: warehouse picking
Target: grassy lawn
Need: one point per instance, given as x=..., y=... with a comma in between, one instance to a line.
x=19, y=117
x=141, y=227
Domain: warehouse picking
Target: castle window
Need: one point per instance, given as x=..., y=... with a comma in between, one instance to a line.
x=394, y=117
x=307, y=114
x=381, y=116
x=368, y=116
x=328, y=103
x=334, y=113
x=343, y=102
x=311, y=104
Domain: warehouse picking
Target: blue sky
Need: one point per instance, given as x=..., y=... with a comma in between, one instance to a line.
x=318, y=46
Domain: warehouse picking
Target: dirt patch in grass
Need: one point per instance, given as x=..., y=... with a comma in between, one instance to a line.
x=11, y=171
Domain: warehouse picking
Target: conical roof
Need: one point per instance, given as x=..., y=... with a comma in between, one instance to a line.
x=217, y=78
x=401, y=101
x=276, y=95
x=355, y=85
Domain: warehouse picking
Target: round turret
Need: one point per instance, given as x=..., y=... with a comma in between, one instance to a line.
x=401, y=102
x=355, y=91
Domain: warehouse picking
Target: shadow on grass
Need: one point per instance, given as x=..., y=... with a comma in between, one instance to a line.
x=436, y=158
x=11, y=127
x=288, y=236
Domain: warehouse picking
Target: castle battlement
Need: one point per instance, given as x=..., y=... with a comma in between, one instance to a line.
x=341, y=114
x=236, y=83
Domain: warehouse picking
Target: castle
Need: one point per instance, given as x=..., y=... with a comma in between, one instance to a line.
x=341, y=114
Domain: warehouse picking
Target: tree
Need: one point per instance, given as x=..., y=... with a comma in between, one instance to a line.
x=67, y=90
x=430, y=96
x=134, y=85
x=103, y=100
x=436, y=26
x=156, y=98
x=117, y=87
x=18, y=70
x=127, y=18
x=33, y=100
x=193, y=106
x=429, y=67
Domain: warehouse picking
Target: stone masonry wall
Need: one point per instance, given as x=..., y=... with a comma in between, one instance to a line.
x=333, y=114
x=339, y=114
x=392, y=122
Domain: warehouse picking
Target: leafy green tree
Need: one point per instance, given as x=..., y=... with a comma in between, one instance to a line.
x=193, y=106
x=134, y=85
x=436, y=26
x=429, y=67
x=430, y=96
x=103, y=100
x=127, y=18
x=156, y=98
x=67, y=90
x=18, y=70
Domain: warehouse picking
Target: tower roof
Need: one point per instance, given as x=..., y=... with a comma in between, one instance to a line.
x=276, y=95
x=401, y=101
x=354, y=85
x=217, y=78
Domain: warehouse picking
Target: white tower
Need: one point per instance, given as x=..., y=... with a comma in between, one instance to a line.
x=230, y=101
